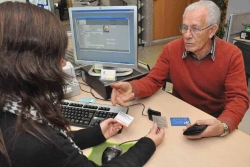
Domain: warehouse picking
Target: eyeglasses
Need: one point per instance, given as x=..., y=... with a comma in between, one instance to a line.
x=183, y=29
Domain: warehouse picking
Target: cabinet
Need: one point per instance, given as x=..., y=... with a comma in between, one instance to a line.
x=167, y=17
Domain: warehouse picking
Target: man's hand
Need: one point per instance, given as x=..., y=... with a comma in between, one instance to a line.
x=215, y=128
x=110, y=127
x=121, y=93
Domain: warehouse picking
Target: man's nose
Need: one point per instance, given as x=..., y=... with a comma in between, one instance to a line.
x=188, y=34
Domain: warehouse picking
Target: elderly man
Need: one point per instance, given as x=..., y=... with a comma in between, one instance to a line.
x=206, y=72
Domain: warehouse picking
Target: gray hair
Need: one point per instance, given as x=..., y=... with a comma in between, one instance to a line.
x=212, y=8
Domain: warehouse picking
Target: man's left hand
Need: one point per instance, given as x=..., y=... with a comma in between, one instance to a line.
x=215, y=128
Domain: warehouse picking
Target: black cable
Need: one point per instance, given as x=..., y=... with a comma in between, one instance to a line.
x=130, y=141
x=142, y=109
x=83, y=84
x=82, y=89
x=127, y=142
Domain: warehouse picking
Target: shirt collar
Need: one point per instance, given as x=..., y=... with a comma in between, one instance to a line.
x=212, y=51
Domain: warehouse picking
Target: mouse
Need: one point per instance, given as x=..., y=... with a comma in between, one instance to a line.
x=110, y=153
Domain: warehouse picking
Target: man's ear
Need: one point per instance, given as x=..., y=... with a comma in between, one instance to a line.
x=213, y=30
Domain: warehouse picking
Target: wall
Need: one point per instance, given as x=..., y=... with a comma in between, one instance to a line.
x=111, y=2
x=237, y=6
x=12, y=0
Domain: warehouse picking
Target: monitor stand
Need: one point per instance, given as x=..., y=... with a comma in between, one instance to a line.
x=103, y=88
x=119, y=71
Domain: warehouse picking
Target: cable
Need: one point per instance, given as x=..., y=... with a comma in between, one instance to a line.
x=82, y=89
x=83, y=84
x=142, y=109
x=130, y=141
x=127, y=142
x=90, y=90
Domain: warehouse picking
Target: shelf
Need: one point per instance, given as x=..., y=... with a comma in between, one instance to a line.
x=140, y=29
x=140, y=5
x=140, y=17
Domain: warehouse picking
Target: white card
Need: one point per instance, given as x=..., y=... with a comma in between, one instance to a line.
x=124, y=119
x=108, y=75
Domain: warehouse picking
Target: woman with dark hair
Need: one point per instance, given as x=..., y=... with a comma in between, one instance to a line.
x=33, y=132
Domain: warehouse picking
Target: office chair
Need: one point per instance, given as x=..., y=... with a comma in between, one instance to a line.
x=168, y=80
x=245, y=48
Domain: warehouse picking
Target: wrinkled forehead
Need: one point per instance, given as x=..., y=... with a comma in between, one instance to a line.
x=197, y=17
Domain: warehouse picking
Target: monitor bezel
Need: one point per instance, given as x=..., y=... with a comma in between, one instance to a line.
x=135, y=37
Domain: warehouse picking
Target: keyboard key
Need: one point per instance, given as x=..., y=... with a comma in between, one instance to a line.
x=86, y=122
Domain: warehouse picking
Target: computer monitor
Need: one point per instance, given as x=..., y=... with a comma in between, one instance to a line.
x=46, y=4
x=105, y=35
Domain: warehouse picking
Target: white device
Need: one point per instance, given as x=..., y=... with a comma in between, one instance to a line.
x=73, y=87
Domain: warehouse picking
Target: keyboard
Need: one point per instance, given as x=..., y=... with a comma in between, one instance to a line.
x=88, y=114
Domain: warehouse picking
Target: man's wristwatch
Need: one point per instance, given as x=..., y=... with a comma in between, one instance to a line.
x=226, y=130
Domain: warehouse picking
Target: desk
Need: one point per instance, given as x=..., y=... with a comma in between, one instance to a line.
x=239, y=39
x=177, y=151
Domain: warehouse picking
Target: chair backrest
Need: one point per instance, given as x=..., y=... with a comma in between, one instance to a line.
x=168, y=79
x=245, y=48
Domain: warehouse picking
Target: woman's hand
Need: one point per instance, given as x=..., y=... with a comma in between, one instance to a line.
x=156, y=134
x=110, y=127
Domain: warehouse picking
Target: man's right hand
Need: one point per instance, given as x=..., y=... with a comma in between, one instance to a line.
x=121, y=93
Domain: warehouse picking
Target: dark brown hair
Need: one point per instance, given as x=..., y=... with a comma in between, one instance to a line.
x=32, y=43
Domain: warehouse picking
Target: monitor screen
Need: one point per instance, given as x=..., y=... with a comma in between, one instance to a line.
x=46, y=4
x=105, y=35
